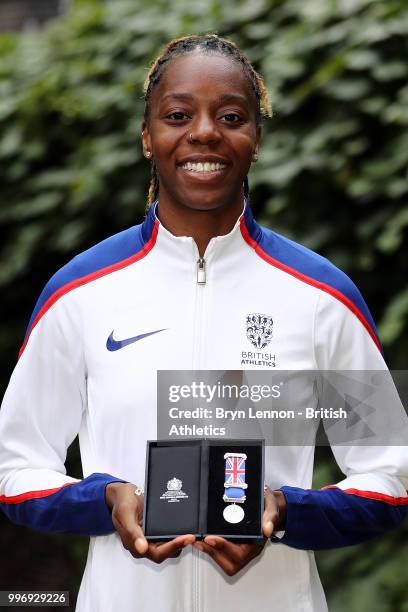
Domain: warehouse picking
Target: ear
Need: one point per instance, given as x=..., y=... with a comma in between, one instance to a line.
x=146, y=140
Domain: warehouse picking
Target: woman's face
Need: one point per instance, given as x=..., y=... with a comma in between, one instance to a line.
x=203, y=111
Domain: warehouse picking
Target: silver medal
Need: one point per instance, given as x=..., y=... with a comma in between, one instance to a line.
x=233, y=514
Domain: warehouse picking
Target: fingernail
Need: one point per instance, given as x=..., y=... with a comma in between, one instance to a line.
x=211, y=542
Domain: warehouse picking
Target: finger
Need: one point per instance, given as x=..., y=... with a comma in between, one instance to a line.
x=270, y=514
x=226, y=564
x=126, y=521
x=155, y=547
x=240, y=554
x=235, y=552
x=176, y=554
x=231, y=564
x=141, y=544
x=160, y=552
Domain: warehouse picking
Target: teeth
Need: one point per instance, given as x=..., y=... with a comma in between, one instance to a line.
x=203, y=167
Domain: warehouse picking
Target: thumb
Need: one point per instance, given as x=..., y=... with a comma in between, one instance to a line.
x=267, y=528
x=270, y=513
x=141, y=544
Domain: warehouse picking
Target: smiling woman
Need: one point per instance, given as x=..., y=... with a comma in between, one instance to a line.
x=202, y=130
x=199, y=285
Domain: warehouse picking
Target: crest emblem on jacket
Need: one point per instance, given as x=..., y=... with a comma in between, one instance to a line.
x=259, y=328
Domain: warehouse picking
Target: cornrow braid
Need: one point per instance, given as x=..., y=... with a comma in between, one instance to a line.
x=154, y=185
x=208, y=43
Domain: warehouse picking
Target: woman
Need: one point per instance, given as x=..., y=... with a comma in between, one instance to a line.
x=174, y=293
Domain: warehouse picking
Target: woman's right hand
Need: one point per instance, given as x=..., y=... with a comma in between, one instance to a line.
x=127, y=516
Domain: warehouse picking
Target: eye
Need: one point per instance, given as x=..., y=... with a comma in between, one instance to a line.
x=232, y=118
x=177, y=116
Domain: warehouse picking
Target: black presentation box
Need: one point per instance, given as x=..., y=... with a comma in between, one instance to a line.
x=184, y=489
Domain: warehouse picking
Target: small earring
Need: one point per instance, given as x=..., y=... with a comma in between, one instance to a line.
x=255, y=157
x=147, y=154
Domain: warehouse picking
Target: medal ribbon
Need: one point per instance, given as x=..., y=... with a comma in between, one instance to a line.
x=234, y=479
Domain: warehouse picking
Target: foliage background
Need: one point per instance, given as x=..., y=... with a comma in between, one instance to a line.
x=332, y=174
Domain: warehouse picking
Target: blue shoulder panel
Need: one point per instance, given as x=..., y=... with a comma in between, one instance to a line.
x=109, y=252
x=310, y=267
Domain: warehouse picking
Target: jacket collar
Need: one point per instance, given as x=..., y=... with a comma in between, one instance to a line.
x=246, y=218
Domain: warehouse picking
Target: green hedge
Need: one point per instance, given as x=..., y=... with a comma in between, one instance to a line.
x=332, y=172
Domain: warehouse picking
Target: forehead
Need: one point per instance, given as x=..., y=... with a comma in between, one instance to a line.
x=204, y=76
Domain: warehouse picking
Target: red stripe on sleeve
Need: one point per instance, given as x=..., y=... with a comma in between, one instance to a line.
x=388, y=499
x=17, y=499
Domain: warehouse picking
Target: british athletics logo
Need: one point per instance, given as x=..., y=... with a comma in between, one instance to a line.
x=259, y=332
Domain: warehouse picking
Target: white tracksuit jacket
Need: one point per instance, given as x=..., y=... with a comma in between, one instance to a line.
x=68, y=382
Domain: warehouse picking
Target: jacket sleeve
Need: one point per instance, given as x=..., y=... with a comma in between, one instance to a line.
x=372, y=498
x=40, y=416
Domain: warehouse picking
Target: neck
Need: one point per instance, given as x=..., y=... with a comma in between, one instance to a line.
x=201, y=225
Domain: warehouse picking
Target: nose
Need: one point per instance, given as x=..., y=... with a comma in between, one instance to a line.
x=204, y=130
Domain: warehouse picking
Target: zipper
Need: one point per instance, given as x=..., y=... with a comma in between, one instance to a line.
x=200, y=291
x=201, y=275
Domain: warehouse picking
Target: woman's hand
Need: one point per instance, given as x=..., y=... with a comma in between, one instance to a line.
x=230, y=557
x=127, y=515
x=233, y=557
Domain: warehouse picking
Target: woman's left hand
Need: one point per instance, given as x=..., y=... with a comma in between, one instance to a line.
x=233, y=557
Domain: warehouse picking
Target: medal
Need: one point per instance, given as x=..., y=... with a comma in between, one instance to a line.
x=234, y=486
x=233, y=514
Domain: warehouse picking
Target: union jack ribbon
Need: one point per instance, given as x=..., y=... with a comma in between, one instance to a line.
x=235, y=470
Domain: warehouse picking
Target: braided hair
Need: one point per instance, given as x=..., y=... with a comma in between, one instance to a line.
x=207, y=43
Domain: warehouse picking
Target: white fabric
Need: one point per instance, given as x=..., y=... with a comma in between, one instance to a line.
x=66, y=382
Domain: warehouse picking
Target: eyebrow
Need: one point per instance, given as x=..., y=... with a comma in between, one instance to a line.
x=223, y=98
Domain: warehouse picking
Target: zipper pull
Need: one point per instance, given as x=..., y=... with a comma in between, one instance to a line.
x=201, y=271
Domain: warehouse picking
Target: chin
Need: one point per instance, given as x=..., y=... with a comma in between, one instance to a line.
x=208, y=202
x=203, y=207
